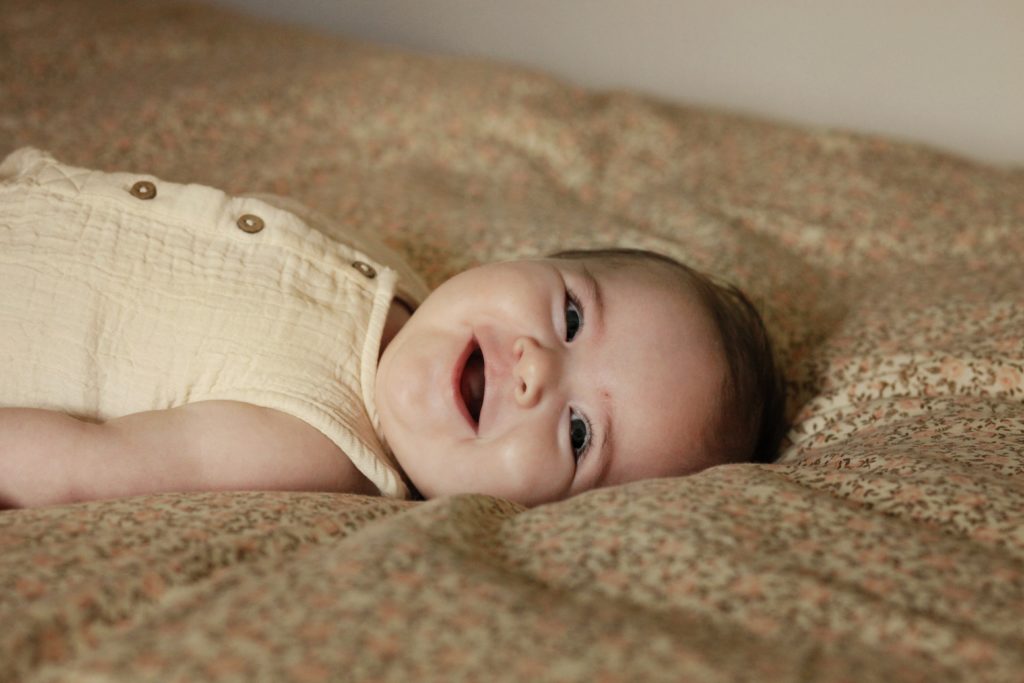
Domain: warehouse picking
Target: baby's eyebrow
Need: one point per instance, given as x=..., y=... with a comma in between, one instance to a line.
x=595, y=295
x=596, y=317
x=607, y=444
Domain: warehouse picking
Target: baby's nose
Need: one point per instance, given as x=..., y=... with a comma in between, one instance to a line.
x=535, y=368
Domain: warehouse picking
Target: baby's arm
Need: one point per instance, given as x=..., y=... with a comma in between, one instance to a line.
x=48, y=457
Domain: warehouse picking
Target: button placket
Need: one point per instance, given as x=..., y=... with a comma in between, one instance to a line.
x=250, y=223
x=143, y=189
x=365, y=268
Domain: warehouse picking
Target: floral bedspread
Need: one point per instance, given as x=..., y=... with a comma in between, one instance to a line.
x=886, y=545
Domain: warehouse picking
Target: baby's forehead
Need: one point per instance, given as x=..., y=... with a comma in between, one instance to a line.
x=661, y=361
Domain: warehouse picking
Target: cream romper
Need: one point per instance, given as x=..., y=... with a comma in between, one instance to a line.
x=121, y=293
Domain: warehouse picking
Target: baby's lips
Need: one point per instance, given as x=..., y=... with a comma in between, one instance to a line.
x=497, y=358
x=458, y=380
x=472, y=384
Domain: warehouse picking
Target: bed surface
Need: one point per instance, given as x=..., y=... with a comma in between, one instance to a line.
x=886, y=545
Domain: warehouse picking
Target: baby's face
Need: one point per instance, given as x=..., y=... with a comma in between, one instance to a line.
x=537, y=380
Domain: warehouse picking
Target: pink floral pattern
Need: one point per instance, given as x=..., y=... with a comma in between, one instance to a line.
x=886, y=545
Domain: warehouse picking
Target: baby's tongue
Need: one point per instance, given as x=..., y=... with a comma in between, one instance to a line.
x=472, y=384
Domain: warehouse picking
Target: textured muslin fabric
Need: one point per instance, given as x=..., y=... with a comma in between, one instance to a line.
x=124, y=293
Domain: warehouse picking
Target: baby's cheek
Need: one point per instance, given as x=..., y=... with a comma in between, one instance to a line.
x=528, y=472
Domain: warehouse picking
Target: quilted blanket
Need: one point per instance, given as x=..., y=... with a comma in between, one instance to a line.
x=887, y=544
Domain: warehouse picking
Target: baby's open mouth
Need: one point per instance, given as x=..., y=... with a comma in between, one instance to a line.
x=471, y=384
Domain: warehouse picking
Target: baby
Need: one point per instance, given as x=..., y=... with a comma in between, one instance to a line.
x=163, y=337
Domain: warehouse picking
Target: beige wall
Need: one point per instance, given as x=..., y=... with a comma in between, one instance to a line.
x=946, y=72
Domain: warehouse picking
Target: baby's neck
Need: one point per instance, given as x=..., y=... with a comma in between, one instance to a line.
x=398, y=314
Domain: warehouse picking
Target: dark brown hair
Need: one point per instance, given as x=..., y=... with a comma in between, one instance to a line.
x=751, y=422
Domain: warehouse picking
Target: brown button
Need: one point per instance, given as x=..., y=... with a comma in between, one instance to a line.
x=143, y=190
x=365, y=268
x=250, y=223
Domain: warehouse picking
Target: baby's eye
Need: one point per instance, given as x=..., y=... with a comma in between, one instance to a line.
x=579, y=434
x=573, y=315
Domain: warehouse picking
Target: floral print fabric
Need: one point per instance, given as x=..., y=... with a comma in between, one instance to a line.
x=887, y=544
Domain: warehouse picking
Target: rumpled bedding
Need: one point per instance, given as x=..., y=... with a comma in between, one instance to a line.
x=887, y=544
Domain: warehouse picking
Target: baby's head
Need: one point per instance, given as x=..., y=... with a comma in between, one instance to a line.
x=538, y=379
